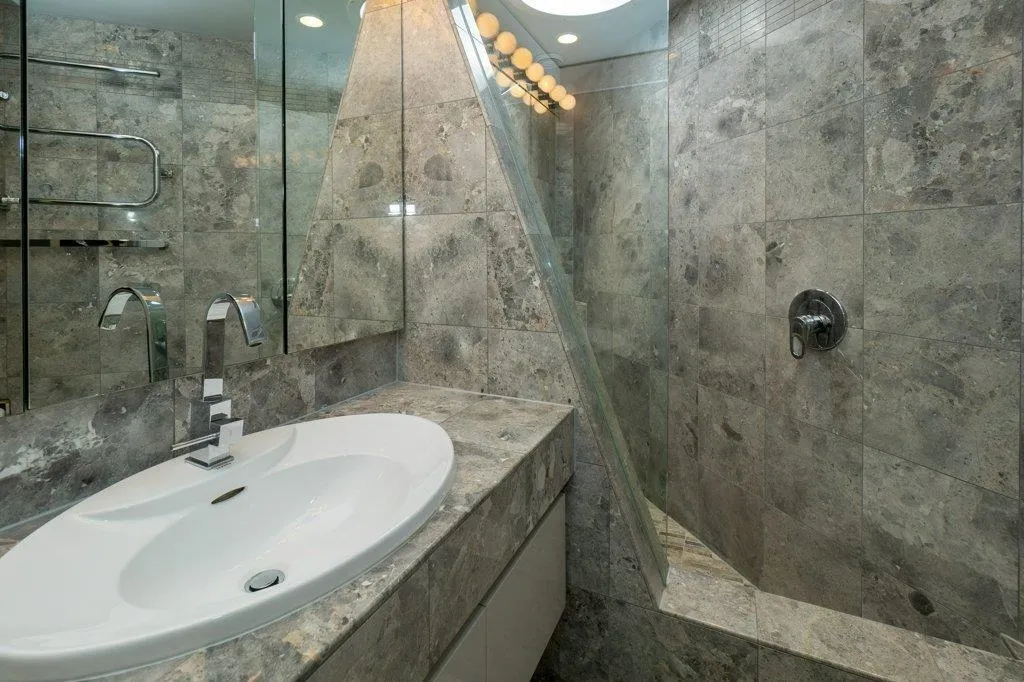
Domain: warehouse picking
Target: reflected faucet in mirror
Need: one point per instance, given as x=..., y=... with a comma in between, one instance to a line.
x=156, y=324
x=212, y=450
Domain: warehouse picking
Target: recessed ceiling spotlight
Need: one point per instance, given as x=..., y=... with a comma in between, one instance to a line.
x=567, y=38
x=311, y=21
x=574, y=8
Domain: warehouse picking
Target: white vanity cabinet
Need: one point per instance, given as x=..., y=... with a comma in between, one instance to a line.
x=506, y=636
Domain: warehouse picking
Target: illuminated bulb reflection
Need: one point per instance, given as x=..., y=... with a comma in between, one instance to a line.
x=505, y=43
x=488, y=25
x=535, y=72
x=522, y=58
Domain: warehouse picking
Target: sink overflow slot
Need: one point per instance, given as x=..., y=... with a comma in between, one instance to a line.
x=228, y=495
x=263, y=580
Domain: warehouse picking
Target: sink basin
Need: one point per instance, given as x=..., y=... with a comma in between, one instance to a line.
x=164, y=562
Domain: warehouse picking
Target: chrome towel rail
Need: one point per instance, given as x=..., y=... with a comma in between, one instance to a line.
x=64, y=243
x=110, y=68
x=7, y=200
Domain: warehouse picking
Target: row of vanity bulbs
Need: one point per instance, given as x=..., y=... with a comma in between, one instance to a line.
x=530, y=76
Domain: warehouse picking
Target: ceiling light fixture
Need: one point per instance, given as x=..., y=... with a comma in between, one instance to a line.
x=567, y=38
x=311, y=21
x=574, y=8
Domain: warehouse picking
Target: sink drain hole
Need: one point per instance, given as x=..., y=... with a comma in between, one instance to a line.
x=263, y=580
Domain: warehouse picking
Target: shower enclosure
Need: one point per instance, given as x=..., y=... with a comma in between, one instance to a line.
x=723, y=157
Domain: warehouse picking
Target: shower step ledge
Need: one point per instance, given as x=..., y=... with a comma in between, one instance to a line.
x=857, y=645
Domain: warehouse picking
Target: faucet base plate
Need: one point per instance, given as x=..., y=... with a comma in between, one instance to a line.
x=216, y=464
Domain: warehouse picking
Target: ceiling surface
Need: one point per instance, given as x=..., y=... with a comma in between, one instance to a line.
x=234, y=19
x=637, y=26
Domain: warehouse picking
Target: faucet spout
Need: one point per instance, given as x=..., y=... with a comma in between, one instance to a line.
x=156, y=324
x=213, y=353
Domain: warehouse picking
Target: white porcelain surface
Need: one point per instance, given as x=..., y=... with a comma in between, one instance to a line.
x=149, y=568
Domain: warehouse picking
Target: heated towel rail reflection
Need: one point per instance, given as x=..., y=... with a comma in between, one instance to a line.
x=7, y=200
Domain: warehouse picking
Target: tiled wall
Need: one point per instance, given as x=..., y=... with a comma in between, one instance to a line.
x=54, y=455
x=201, y=114
x=620, y=245
x=349, y=265
x=872, y=149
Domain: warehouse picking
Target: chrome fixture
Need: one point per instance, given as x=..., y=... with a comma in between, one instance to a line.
x=225, y=431
x=817, y=321
x=9, y=200
x=111, y=68
x=58, y=243
x=156, y=324
x=213, y=349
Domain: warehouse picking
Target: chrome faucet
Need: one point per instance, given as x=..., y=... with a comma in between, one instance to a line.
x=225, y=430
x=156, y=324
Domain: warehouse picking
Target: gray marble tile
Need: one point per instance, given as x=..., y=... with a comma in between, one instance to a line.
x=120, y=181
x=683, y=21
x=909, y=41
x=445, y=167
x=816, y=61
x=468, y=562
x=815, y=165
x=505, y=423
x=805, y=565
x=345, y=370
x=818, y=253
x=731, y=96
x=731, y=439
x=629, y=264
x=951, y=275
x=960, y=663
x=824, y=388
x=366, y=167
x=55, y=106
x=683, y=478
x=215, y=52
x=392, y=643
x=683, y=340
x=455, y=357
x=639, y=330
x=731, y=523
x=158, y=119
x=727, y=25
x=776, y=666
x=968, y=396
x=62, y=275
x=315, y=280
x=56, y=455
x=731, y=267
x=120, y=43
x=62, y=35
x=815, y=477
x=924, y=544
x=63, y=339
x=306, y=332
x=645, y=644
x=855, y=644
x=215, y=134
x=428, y=402
x=951, y=141
x=713, y=601
x=515, y=299
x=625, y=579
x=375, y=77
x=894, y=602
x=732, y=353
x=530, y=365
x=219, y=199
x=446, y=269
x=499, y=198
x=433, y=68
x=588, y=524
x=207, y=272
x=576, y=650
x=309, y=136
x=731, y=183
x=368, y=265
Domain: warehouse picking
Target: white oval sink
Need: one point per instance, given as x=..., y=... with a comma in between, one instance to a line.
x=149, y=568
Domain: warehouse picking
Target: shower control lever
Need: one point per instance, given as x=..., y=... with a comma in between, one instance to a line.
x=817, y=321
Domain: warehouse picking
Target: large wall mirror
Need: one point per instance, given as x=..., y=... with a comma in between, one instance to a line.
x=180, y=150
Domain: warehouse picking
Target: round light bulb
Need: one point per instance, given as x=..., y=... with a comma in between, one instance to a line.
x=311, y=21
x=505, y=43
x=568, y=102
x=535, y=72
x=522, y=58
x=547, y=83
x=567, y=38
x=558, y=92
x=516, y=90
x=502, y=79
x=540, y=108
x=488, y=25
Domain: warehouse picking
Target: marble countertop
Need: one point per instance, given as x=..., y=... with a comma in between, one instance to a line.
x=491, y=436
